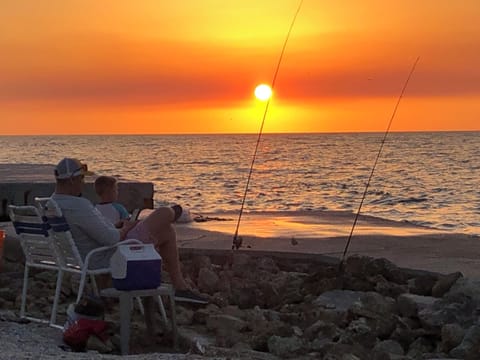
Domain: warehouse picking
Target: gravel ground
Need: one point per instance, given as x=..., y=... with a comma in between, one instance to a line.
x=38, y=341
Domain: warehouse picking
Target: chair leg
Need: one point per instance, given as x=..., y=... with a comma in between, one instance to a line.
x=162, y=311
x=24, y=291
x=81, y=286
x=94, y=285
x=58, y=289
x=125, y=310
x=149, y=308
x=140, y=305
x=173, y=312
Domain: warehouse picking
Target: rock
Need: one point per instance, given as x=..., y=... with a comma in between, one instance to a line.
x=197, y=348
x=387, y=288
x=207, y=281
x=103, y=347
x=410, y=304
x=385, y=268
x=470, y=346
x=356, y=264
x=323, y=285
x=224, y=284
x=240, y=265
x=322, y=330
x=225, y=322
x=245, y=295
x=201, y=262
x=358, y=332
x=422, y=284
x=383, y=327
x=8, y=315
x=200, y=316
x=335, y=351
x=234, y=311
x=464, y=288
x=452, y=336
x=419, y=347
x=339, y=300
x=357, y=283
x=184, y=316
x=274, y=308
x=373, y=305
x=263, y=330
x=389, y=347
x=7, y=294
x=448, y=311
x=285, y=347
x=444, y=283
x=268, y=264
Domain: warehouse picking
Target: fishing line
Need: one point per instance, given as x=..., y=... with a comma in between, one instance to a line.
x=376, y=161
x=237, y=241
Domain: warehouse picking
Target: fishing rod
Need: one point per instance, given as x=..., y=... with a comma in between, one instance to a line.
x=382, y=143
x=237, y=240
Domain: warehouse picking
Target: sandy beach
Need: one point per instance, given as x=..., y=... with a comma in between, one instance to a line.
x=326, y=233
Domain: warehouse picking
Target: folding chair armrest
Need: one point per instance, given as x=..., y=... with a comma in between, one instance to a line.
x=128, y=241
x=105, y=248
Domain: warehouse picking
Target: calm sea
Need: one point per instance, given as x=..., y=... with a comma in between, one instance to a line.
x=424, y=178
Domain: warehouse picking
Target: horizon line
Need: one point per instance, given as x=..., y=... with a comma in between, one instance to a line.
x=246, y=133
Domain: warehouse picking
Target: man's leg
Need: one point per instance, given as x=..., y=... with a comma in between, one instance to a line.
x=159, y=225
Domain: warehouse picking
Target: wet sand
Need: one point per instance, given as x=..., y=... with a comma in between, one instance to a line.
x=326, y=233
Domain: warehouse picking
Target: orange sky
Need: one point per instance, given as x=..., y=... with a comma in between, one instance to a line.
x=121, y=66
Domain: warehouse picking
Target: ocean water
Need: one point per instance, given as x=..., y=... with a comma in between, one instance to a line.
x=427, y=178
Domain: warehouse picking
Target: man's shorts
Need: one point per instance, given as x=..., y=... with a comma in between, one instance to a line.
x=140, y=232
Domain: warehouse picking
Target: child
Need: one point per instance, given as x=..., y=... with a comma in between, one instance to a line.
x=106, y=188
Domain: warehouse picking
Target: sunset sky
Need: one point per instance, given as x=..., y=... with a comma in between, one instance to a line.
x=191, y=66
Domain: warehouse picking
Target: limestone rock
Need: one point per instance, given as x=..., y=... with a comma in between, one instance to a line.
x=389, y=347
x=470, y=345
x=207, y=280
x=285, y=347
x=452, y=336
x=279, y=307
x=410, y=304
x=444, y=283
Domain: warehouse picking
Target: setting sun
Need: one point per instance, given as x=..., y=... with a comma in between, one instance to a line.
x=263, y=92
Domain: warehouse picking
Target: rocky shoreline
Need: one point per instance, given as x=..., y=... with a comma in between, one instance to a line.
x=269, y=307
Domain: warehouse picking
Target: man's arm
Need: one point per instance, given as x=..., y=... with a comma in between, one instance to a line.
x=92, y=222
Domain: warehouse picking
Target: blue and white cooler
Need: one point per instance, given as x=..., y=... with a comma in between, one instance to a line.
x=136, y=267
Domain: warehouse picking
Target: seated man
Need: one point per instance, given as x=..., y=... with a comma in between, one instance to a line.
x=91, y=230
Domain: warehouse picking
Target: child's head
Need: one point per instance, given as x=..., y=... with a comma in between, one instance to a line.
x=106, y=188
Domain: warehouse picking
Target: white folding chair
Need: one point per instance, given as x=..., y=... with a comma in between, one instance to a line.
x=39, y=249
x=69, y=259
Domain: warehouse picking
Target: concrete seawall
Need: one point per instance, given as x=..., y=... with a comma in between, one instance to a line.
x=21, y=183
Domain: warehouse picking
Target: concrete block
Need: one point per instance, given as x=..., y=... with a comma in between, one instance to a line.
x=131, y=194
x=21, y=183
